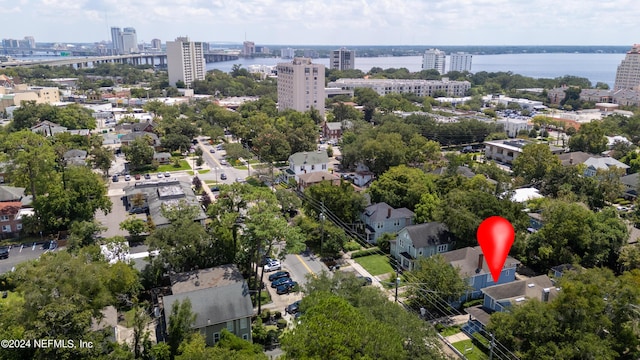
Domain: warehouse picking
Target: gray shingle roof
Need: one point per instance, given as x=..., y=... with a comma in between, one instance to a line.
x=309, y=158
x=574, y=158
x=217, y=295
x=467, y=260
x=530, y=289
x=429, y=234
x=605, y=163
x=631, y=180
x=11, y=193
x=378, y=212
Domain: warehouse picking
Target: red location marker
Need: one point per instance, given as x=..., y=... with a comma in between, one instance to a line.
x=495, y=236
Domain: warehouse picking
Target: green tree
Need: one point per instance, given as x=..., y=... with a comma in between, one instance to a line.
x=343, y=201
x=433, y=276
x=535, y=161
x=181, y=320
x=134, y=226
x=83, y=233
x=140, y=153
x=401, y=186
x=102, y=158
x=590, y=138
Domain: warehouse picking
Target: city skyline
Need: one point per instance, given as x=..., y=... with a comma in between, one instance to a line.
x=367, y=22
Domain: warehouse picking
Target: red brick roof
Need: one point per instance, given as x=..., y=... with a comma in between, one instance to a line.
x=10, y=208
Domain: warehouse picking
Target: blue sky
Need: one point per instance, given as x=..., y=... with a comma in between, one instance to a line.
x=330, y=22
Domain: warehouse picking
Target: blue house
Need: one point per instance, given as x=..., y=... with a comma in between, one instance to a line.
x=422, y=240
x=474, y=268
x=503, y=297
x=381, y=218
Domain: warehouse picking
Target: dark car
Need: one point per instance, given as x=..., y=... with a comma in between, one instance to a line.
x=285, y=288
x=277, y=275
x=212, y=150
x=223, y=177
x=114, y=178
x=147, y=176
x=281, y=281
x=293, y=308
x=4, y=253
x=215, y=188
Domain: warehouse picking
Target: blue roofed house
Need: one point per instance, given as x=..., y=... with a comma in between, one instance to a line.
x=503, y=297
x=219, y=298
x=421, y=240
x=381, y=218
x=474, y=268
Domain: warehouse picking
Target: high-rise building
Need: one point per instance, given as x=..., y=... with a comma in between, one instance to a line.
x=434, y=59
x=30, y=42
x=156, y=44
x=343, y=59
x=628, y=74
x=129, y=41
x=287, y=53
x=460, y=62
x=185, y=61
x=310, y=53
x=248, y=48
x=116, y=40
x=301, y=85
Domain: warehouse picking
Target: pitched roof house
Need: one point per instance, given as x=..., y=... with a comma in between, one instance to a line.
x=593, y=163
x=421, y=240
x=307, y=162
x=381, y=218
x=316, y=177
x=75, y=157
x=10, y=219
x=219, y=298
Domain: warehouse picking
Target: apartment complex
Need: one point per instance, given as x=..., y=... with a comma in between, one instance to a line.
x=156, y=44
x=401, y=86
x=16, y=95
x=248, y=48
x=628, y=74
x=343, y=59
x=301, y=85
x=27, y=43
x=287, y=53
x=124, y=41
x=185, y=61
x=460, y=62
x=434, y=59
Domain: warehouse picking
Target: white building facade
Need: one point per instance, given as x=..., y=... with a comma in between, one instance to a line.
x=628, y=74
x=287, y=53
x=343, y=59
x=301, y=85
x=460, y=62
x=403, y=86
x=434, y=59
x=185, y=61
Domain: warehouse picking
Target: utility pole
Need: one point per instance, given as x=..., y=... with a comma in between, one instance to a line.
x=322, y=217
x=397, y=278
x=491, y=345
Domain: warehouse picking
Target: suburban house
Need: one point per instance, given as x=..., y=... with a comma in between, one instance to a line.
x=48, y=128
x=504, y=296
x=421, y=240
x=522, y=195
x=154, y=194
x=14, y=194
x=162, y=157
x=474, y=268
x=308, y=179
x=10, y=219
x=630, y=183
x=307, y=162
x=128, y=139
x=559, y=270
x=362, y=176
x=75, y=157
x=592, y=163
x=332, y=131
x=535, y=222
x=142, y=126
x=506, y=151
x=381, y=218
x=219, y=298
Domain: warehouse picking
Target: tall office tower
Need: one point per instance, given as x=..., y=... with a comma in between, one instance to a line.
x=460, y=62
x=248, y=48
x=185, y=61
x=156, y=44
x=129, y=41
x=301, y=85
x=30, y=42
x=116, y=40
x=434, y=59
x=343, y=59
x=287, y=53
x=628, y=74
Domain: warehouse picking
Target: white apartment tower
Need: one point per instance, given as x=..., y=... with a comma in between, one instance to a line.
x=129, y=41
x=460, y=62
x=434, y=59
x=287, y=53
x=301, y=85
x=628, y=74
x=185, y=61
x=343, y=59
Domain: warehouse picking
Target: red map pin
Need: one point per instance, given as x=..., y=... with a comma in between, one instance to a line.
x=495, y=236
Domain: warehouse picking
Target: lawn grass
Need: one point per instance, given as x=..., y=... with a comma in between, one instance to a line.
x=375, y=264
x=473, y=354
x=128, y=318
x=450, y=331
x=184, y=165
x=241, y=167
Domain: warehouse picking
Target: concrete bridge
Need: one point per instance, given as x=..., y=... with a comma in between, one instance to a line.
x=133, y=59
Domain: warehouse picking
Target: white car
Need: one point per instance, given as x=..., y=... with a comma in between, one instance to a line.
x=273, y=266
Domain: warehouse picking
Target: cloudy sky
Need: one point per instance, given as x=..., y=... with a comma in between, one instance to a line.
x=330, y=22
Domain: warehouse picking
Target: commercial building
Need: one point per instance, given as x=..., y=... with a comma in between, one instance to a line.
x=11, y=97
x=248, y=48
x=116, y=40
x=124, y=41
x=156, y=44
x=343, y=59
x=402, y=86
x=460, y=62
x=506, y=151
x=301, y=85
x=628, y=74
x=185, y=61
x=434, y=59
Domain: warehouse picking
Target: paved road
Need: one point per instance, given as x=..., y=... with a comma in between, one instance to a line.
x=19, y=254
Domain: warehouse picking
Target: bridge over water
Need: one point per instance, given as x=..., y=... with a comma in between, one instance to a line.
x=133, y=59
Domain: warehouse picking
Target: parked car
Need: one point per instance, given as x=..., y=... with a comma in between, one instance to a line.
x=273, y=266
x=127, y=177
x=285, y=288
x=160, y=176
x=277, y=275
x=137, y=177
x=223, y=176
x=114, y=178
x=4, y=253
x=293, y=308
x=212, y=150
x=147, y=176
x=281, y=281
x=167, y=174
x=223, y=162
x=215, y=188
x=239, y=180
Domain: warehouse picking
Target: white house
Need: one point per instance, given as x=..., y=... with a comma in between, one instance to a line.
x=307, y=162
